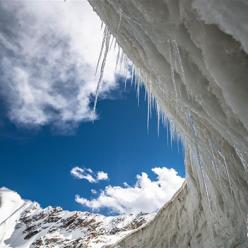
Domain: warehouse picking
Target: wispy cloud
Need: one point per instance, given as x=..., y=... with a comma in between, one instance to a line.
x=146, y=195
x=49, y=50
x=93, y=191
x=88, y=174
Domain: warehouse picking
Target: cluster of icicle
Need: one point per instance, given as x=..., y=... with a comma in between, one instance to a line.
x=137, y=77
x=126, y=68
x=216, y=156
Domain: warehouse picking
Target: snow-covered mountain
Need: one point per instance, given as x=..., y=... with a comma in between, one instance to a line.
x=24, y=224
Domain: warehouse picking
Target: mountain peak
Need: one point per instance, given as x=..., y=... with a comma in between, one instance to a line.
x=27, y=225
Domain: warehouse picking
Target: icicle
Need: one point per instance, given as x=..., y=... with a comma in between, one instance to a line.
x=172, y=69
x=102, y=68
x=214, y=159
x=112, y=41
x=151, y=104
x=213, y=162
x=101, y=51
x=242, y=159
x=148, y=105
x=145, y=96
x=140, y=82
x=136, y=77
x=202, y=175
x=180, y=62
x=132, y=74
x=199, y=159
x=119, y=23
x=167, y=133
x=148, y=111
x=115, y=43
x=126, y=77
x=149, y=100
x=102, y=24
x=138, y=91
x=178, y=141
x=121, y=65
x=171, y=139
x=117, y=59
x=213, y=156
x=158, y=118
x=215, y=169
x=174, y=58
x=227, y=172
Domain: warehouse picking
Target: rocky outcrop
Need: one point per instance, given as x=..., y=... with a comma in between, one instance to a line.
x=25, y=224
x=192, y=57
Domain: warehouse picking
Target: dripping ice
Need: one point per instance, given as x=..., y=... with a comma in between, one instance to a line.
x=124, y=67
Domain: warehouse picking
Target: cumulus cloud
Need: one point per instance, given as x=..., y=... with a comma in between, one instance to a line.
x=88, y=174
x=101, y=175
x=146, y=195
x=48, y=55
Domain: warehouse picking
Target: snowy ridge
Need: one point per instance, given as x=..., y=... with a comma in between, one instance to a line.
x=27, y=225
x=11, y=206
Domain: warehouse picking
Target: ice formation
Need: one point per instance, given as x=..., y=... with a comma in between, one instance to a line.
x=192, y=57
x=105, y=47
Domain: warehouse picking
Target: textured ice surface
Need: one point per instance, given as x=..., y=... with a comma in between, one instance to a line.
x=192, y=57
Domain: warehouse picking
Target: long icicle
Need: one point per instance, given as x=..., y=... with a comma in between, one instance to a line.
x=180, y=62
x=132, y=74
x=119, y=23
x=102, y=46
x=148, y=106
x=214, y=159
x=242, y=159
x=117, y=59
x=172, y=62
x=148, y=111
x=158, y=118
x=112, y=41
x=126, y=77
x=227, y=171
x=102, y=24
x=121, y=64
x=102, y=69
x=199, y=159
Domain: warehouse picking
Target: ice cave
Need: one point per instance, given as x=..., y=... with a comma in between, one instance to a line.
x=192, y=57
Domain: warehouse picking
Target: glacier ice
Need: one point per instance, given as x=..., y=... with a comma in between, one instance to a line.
x=192, y=57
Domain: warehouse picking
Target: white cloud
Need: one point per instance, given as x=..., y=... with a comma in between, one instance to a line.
x=93, y=191
x=88, y=174
x=77, y=172
x=101, y=175
x=48, y=55
x=146, y=195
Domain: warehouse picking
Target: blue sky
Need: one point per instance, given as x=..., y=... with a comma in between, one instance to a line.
x=47, y=87
x=37, y=163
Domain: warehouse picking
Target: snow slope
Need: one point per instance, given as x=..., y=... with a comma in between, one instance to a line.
x=192, y=57
x=24, y=224
x=11, y=207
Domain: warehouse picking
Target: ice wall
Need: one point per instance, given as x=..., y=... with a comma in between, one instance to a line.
x=192, y=55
